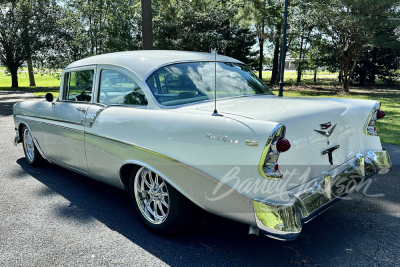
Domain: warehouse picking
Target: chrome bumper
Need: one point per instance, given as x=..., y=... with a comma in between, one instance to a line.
x=284, y=221
x=17, y=139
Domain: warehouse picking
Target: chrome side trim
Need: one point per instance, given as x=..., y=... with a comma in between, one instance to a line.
x=96, y=115
x=31, y=118
x=283, y=221
x=64, y=127
x=90, y=125
x=246, y=198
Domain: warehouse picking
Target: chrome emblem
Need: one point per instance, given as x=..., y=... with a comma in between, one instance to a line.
x=251, y=143
x=328, y=133
x=325, y=126
x=224, y=139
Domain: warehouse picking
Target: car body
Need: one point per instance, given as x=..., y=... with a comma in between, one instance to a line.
x=148, y=122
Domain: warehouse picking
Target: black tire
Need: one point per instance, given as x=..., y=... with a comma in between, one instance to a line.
x=180, y=212
x=32, y=154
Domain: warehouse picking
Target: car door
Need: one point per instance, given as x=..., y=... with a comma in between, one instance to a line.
x=117, y=90
x=63, y=126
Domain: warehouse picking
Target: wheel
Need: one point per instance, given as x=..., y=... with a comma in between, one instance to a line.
x=32, y=155
x=160, y=207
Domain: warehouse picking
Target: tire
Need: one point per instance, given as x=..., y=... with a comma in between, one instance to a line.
x=32, y=154
x=177, y=212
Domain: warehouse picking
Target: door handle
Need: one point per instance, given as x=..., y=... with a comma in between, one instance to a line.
x=83, y=110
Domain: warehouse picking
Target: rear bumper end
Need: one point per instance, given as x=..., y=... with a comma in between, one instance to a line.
x=284, y=221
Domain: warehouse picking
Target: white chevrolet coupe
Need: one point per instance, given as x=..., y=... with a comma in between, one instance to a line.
x=185, y=129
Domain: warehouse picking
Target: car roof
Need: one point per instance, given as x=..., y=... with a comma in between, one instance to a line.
x=144, y=62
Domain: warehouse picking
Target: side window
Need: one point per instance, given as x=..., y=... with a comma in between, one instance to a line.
x=119, y=88
x=78, y=85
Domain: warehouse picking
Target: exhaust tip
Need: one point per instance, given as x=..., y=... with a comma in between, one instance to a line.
x=254, y=231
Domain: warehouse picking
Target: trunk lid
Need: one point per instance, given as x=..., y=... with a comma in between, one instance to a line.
x=301, y=116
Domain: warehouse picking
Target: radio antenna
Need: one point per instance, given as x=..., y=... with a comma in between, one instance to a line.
x=215, y=83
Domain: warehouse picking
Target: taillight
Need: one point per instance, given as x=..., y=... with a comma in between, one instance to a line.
x=380, y=114
x=277, y=143
x=376, y=114
x=282, y=145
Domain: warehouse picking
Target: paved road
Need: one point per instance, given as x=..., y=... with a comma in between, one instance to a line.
x=54, y=217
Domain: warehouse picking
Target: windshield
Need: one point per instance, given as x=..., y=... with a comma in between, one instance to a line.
x=192, y=82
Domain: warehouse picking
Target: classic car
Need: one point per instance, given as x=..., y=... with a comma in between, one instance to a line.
x=187, y=130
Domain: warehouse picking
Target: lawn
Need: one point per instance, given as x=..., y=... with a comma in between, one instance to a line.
x=388, y=127
x=42, y=80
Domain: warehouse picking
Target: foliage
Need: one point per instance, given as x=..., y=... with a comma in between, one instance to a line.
x=352, y=25
x=27, y=29
x=201, y=26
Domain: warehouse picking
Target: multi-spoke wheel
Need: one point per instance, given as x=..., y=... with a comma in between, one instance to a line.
x=31, y=153
x=151, y=195
x=160, y=207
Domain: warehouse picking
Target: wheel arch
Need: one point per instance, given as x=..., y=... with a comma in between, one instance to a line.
x=128, y=166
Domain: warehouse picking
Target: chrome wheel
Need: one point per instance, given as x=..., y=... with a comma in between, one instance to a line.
x=151, y=194
x=29, y=146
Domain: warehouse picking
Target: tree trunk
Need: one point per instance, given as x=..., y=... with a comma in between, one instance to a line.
x=315, y=75
x=345, y=84
x=275, y=62
x=14, y=77
x=147, y=25
x=260, y=64
x=31, y=74
x=300, y=59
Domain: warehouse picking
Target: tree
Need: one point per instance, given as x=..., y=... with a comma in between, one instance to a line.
x=351, y=25
x=266, y=18
x=88, y=27
x=147, y=25
x=201, y=26
x=381, y=58
x=26, y=28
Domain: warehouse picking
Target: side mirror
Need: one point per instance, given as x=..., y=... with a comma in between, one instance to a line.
x=49, y=97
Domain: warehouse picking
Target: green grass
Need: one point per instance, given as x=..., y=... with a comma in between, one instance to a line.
x=388, y=127
x=42, y=80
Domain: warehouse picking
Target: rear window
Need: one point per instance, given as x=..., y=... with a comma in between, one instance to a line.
x=192, y=82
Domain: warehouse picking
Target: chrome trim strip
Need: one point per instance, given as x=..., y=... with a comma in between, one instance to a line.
x=93, y=120
x=43, y=118
x=199, y=171
x=64, y=127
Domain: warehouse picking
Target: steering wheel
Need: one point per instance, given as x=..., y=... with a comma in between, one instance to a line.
x=82, y=96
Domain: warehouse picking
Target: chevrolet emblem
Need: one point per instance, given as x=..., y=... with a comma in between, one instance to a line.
x=328, y=133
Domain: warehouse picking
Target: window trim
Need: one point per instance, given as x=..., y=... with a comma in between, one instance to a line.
x=61, y=97
x=128, y=73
